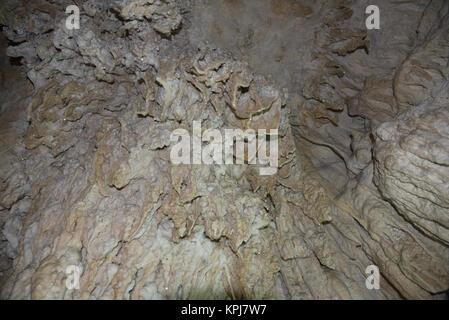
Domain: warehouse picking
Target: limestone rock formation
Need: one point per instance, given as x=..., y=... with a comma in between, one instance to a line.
x=86, y=177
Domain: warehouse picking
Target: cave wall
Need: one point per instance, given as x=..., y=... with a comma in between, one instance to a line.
x=85, y=172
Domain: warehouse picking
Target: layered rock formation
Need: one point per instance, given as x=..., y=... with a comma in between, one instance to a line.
x=86, y=178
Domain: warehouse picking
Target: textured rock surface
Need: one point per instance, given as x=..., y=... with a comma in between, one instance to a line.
x=86, y=179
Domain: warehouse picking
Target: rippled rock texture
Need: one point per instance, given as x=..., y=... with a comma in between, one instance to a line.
x=363, y=169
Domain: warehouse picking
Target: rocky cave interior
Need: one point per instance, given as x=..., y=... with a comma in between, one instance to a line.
x=86, y=178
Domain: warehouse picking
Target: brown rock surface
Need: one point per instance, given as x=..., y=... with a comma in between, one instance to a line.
x=86, y=178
